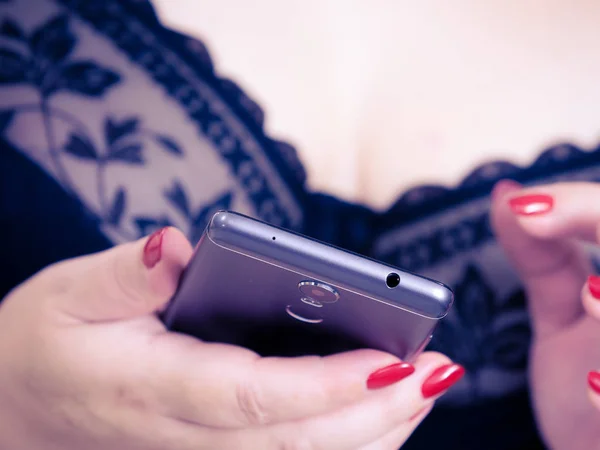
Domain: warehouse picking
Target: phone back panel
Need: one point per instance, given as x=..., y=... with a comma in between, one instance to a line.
x=234, y=292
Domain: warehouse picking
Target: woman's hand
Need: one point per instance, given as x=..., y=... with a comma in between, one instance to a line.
x=85, y=363
x=542, y=230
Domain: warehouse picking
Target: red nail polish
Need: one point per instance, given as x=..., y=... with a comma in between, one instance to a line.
x=153, y=248
x=594, y=381
x=594, y=286
x=532, y=204
x=389, y=375
x=441, y=379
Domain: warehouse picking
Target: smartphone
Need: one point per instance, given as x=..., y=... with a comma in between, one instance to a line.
x=283, y=294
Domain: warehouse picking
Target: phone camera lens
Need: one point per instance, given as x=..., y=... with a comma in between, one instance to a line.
x=392, y=280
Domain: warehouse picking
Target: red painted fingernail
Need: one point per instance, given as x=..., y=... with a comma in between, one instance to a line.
x=389, y=375
x=441, y=379
x=594, y=286
x=531, y=204
x=153, y=248
x=594, y=381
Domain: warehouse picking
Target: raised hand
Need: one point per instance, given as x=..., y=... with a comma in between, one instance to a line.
x=543, y=231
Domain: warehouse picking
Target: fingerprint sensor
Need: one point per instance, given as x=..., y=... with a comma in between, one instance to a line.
x=303, y=314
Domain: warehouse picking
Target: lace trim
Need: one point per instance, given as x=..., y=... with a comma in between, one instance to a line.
x=562, y=156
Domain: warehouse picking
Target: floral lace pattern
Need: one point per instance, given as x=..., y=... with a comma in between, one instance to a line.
x=52, y=60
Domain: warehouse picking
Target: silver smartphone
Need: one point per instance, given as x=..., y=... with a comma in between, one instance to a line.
x=283, y=294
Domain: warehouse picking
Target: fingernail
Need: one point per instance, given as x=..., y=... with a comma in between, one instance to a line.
x=594, y=381
x=389, y=375
x=502, y=187
x=153, y=248
x=594, y=286
x=531, y=204
x=441, y=379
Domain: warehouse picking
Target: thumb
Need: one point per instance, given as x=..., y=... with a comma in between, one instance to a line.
x=127, y=281
x=552, y=270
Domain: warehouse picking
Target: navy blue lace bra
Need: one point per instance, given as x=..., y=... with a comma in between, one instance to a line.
x=112, y=126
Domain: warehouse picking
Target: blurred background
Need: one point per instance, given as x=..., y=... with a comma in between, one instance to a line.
x=383, y=95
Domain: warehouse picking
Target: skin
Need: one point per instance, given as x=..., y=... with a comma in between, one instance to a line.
x=85, y=363
x=372, y=72
x=547, y=252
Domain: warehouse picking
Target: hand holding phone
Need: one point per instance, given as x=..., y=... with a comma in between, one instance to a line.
x=85, y=363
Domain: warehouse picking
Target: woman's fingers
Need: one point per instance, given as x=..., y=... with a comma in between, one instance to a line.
x=552, y=270
x=243, y=398
x=561, y=210
x=126, y=281
x=252, y=391
x=361, y=423
x=590, y=296
x=594, y=388
x=399, y=435
x=538, y=228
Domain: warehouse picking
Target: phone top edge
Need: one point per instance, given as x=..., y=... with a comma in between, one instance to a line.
x=328, y=263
